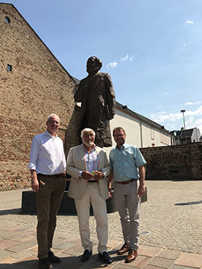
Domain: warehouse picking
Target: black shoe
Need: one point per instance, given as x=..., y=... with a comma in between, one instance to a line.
x=86, y=255
x=105, y=257
x=52, y=258
x=44, y=264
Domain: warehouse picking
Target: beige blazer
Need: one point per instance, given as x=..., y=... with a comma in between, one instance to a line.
x=76, y=163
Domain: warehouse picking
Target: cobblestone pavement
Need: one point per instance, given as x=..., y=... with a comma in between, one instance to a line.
x=170, y=232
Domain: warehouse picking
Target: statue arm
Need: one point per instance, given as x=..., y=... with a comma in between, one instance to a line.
x=110, y=97
x=78, y=94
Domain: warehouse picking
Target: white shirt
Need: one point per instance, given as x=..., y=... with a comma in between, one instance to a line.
x=47, y=155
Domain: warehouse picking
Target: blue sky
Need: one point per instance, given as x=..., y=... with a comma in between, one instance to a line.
x=151, y=48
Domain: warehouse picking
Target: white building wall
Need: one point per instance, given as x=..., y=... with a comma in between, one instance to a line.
x=130, y=125
x=138, y=133
x=153, y=137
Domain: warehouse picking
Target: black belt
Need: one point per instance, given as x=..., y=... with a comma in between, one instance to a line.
x=57, y=175
x=126, y=182
x=92, y=181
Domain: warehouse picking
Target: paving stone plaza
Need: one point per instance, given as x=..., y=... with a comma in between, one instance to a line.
x=170, y=232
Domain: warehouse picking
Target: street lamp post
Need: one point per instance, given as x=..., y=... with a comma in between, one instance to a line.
x=183, y=111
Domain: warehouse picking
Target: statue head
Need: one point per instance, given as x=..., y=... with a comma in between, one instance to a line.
x=93, y=65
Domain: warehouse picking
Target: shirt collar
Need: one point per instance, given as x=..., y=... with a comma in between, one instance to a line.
x=122, y=147
x=48, y=134
x=85, y=149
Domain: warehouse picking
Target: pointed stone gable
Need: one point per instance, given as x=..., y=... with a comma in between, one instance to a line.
x=33, y=84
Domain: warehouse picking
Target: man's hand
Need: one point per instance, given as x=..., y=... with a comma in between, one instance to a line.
x=98, y=175
x=35, y=185
x=86, y=175
x=110, y=189
x=141, y=189
x=35, y=182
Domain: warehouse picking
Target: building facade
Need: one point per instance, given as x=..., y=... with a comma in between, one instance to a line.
x=33, y=84
x=185, y=136
x=141, y=131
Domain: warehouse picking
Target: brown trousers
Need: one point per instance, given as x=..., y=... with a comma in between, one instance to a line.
x=48, y=200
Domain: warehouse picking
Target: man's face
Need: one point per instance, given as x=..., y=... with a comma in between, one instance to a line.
x=53, y=124
x=119, y=137
x=88, y=139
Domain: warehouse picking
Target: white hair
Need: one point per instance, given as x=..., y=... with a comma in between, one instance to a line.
x=88, y=130
x=53, y=115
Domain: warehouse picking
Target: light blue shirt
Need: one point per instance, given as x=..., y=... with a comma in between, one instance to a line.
x=125, y=162
x=91, y=161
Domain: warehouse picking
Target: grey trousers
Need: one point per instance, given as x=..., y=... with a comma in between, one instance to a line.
x=127, y=203
x=48, y=200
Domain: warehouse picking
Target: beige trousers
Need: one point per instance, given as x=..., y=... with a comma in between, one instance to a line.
x=93, y=197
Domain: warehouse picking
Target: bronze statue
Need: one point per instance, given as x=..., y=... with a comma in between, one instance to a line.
x=96, y=96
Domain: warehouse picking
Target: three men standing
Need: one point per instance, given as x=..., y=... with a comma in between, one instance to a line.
x=88, y=165
x=127, y=171
x=47, y=166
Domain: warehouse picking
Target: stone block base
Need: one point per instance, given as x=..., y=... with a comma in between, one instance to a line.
x=67, y=206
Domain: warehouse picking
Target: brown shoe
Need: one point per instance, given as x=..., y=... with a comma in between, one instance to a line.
x=132, y=255
x=123, y=249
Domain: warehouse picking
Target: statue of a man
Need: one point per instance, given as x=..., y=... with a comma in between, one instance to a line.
x=97, y=98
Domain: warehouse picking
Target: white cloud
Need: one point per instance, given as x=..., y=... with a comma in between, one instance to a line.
x=131, y=58
x=163, y=117
x=189, y=22
x=112, y=65
x=193, y=103
x=174, y=121
x=124, y=58
x=127, y=58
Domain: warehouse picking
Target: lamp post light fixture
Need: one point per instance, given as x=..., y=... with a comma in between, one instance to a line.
x=183, y=111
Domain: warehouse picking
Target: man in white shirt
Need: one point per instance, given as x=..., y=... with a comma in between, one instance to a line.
x=88, y=165
x=47, y=166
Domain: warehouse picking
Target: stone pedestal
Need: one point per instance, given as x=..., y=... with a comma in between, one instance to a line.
x=67, y=206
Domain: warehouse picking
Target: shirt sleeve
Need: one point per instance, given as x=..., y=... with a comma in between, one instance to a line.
x=111, y=161
x=71, y=167
x=34, y=154
x=139, y=159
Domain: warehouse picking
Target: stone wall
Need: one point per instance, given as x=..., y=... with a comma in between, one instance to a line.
x=37, y=86
x=174, y=162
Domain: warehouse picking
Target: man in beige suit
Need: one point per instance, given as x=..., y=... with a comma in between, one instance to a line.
x=88, y=165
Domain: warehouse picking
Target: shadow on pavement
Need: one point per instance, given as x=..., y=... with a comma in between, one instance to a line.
x=14, y=211
x=190, y=203
x=69, y=262
x=72, y=262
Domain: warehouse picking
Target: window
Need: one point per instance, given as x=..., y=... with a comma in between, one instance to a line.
x=7, y=19
x=9, y=67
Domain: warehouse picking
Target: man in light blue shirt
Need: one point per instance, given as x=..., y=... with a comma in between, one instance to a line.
x=128, y=173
